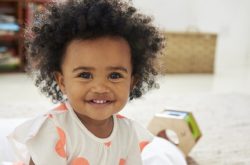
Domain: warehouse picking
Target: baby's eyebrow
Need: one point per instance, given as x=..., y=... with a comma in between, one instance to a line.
x=120, y=68
x=83, y=68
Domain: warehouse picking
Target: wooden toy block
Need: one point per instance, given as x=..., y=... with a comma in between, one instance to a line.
x=182, y=123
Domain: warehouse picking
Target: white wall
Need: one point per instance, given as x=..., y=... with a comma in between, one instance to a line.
x=230, y=19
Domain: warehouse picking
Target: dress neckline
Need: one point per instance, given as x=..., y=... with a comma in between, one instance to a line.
x=86, y=131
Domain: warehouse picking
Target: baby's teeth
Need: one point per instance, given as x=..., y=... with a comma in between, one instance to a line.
x=99, y=101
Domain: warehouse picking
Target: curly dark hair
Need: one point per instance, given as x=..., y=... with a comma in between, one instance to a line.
x=48, y=37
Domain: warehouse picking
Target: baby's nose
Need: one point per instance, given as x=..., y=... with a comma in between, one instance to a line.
x=100, y=87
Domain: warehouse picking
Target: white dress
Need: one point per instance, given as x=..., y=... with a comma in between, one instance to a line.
x=59, y=138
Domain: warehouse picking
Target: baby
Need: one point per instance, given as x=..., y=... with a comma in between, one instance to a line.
x=92, y=56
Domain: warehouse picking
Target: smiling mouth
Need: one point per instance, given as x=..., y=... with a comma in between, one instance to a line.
x=100, y=102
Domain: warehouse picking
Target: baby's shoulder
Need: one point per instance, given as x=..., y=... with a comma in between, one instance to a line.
x=128, y=123
x=135, y=130
x=124, y=121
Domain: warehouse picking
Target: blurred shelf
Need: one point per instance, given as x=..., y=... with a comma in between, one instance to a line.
x=21, y=13
x=9, y=38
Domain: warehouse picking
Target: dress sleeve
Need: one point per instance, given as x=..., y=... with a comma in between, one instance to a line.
x=40, y=139
x=161, y=151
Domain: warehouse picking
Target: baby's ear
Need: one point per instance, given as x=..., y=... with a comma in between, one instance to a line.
x=60, y=81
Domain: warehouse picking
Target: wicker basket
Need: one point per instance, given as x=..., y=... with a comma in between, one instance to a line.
x=188, y=52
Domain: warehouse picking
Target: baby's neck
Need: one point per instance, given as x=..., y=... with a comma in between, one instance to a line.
x=101, y=128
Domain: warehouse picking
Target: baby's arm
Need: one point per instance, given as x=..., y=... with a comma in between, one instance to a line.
x=161, y=151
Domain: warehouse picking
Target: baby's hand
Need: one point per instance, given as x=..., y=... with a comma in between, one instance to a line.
x=163, y=135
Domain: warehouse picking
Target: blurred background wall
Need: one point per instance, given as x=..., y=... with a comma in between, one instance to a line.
x=230, y=19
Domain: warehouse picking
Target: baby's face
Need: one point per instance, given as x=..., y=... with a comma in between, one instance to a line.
x=97, y=76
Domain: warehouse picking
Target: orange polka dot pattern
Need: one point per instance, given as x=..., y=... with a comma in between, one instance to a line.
x=61, y=107
x=143, y=144
x=120, y=116
x=80, y=161
x=60, y=145
x=122, y=162
x=107, y=144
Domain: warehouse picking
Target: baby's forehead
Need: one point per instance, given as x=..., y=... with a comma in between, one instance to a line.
x=98, y=53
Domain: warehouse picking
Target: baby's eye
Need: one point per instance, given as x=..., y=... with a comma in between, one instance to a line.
x=85, y=75
x=115, y=75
